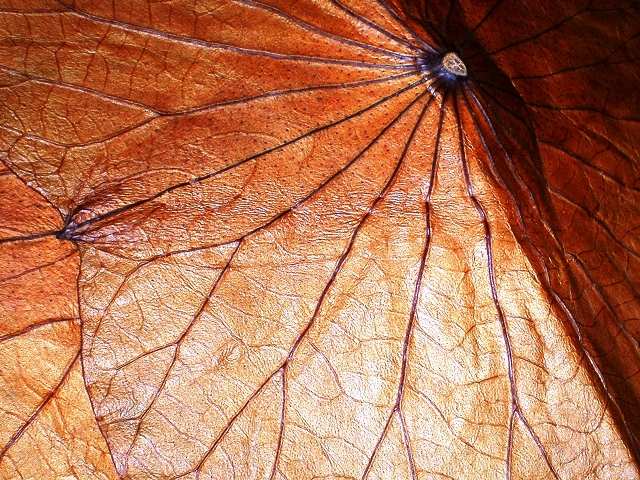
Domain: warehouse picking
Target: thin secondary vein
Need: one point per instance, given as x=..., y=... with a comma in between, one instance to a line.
x=72, y=232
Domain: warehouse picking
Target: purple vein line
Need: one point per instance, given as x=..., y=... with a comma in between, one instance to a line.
x=494, y=294
x=414, y=305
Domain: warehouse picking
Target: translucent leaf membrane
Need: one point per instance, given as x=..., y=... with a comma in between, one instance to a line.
x=326, y=239
x=48, y=427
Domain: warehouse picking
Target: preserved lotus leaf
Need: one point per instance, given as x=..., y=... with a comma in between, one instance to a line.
x=319, y=239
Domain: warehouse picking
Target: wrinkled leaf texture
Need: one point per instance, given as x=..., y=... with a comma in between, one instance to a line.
x=277, y=240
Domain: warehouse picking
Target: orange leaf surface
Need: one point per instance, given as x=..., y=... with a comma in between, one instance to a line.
x=320, y=239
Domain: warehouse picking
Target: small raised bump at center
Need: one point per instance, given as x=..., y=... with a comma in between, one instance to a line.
x=453, y=64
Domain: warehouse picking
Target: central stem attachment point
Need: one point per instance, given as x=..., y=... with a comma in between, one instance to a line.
x=451, y=63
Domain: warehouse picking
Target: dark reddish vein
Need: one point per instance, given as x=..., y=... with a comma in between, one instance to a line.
x=589, y=132
x=447, y=22
x=30, y=77
x=381, y=195
x=601, y=224
x=339, y=265
x=499, y=103
x=35, y=10
x=556, y=297
x=479, y=24
x=435, y=32
x=414, y=305
x=501, y=89
x=176, y=352
x=39, y=267
x=284, y=365
x=483, y=140
x=494, y=294
x=231, y=422
x=164, y=113
x=56, y=143
x=222, y=46
x=445, y=421
x=48, y=397
x=70, y=232
x=537, y=35
x=267, y=224
x=586, y=163
x=557, y=241
x=264, y=226
x=129, y=275
x=511, y=164
x=540, y=34
x=596, y=369
x=376, y=27
x=283, y=413
x=584, y=109
x=510, y=442
x=27, y=238
x=35, y=326
x=313, y=29
x=423, y=20
x=225, y=269
x=404, y=24
x=503, y=183
x=599, y=63
x=598, y=290
x=421, y=5
x=132, y=224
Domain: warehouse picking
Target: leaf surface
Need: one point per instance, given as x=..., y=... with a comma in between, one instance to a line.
x=280, y=240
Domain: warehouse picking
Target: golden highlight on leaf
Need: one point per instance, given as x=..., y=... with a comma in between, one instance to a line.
x=319, y=239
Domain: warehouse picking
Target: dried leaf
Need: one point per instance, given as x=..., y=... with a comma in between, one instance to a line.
x=331, y=239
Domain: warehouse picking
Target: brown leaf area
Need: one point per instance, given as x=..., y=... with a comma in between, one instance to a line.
x=280, y=240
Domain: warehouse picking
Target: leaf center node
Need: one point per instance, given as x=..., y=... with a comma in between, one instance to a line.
x=452, y=63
